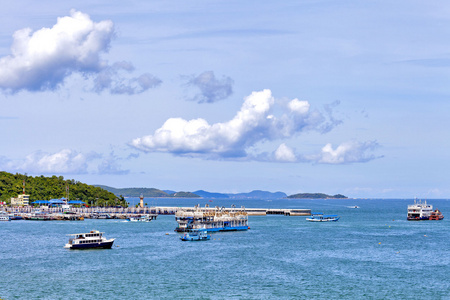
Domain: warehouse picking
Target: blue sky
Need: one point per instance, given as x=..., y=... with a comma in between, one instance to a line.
x=225, y=96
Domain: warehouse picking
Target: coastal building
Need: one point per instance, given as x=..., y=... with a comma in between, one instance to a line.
x=21, y=200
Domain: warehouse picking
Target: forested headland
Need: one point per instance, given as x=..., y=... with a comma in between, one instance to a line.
x=55, y=187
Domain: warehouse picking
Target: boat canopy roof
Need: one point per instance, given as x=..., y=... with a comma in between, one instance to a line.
x=93, y=231
x=76, y=202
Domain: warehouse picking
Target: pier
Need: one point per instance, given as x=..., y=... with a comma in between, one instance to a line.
x=152, y=212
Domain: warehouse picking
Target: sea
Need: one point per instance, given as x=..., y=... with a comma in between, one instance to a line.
x=372, y=252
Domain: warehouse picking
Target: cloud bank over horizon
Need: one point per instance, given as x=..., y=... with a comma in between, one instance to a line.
x=43, y=59
x=255, y=122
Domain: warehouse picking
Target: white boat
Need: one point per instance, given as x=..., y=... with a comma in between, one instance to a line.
x=90, y=240
x=4, y=217
x=140, y=219
x=423, y=211
x=320, y=217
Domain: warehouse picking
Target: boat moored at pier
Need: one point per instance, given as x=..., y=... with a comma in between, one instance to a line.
x=90, y=240
x=212, y=219
x=420, y=211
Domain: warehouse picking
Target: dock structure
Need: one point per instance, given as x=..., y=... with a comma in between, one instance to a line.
x=151, y=212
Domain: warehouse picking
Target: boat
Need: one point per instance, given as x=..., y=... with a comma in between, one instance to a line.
x=15, y=216
x=91, y=240
x=212, y=219
x=4, y=217
x=420, y=211
x=101, y=215
x=144, y=218
x=320, y=217
x=196, y=235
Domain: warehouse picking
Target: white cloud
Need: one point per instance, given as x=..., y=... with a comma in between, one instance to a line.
x=301, y=107
x=65, y=161
x=253, y=123
x=348, y=152
x=43, y=59
x=211, y=88
x=285, y=154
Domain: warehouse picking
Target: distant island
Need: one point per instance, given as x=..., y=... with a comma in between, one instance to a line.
x=316, y=196
x=256, y=194
x=147, y=192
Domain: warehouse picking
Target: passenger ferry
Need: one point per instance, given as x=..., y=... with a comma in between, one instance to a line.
x=90, y=240
x=212, y=219
x=423, y=211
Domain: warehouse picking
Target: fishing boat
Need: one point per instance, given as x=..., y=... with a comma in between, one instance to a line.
x=90, y=240
x=212, y=219
x=196, y=235
x=320, y=217
x=420, y=211
x=144, y=218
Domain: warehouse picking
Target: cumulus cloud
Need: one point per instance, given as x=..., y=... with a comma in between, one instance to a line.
x=65, y=161
x=43, y=59
x=345, y=153
x=211, y=88
x=285, y=154
x=253, y=123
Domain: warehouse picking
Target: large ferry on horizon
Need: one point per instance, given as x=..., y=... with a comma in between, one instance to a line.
x=423, y=211
x=212, y=219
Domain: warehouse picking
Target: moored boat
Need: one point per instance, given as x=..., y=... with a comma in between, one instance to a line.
x=196, y=235
x=4, y=217
x=320, y=217
x=90, y=240
x=420, y=211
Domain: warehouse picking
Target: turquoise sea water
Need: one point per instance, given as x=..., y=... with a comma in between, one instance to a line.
x=371, y=253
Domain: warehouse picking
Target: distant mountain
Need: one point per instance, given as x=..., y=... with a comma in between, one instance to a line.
x=135, y=192
x=257, y=194
x=206, y=194
x=169, y=191
x=147, y=192
x=316, y=196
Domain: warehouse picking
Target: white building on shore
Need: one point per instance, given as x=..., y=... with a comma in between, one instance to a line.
x=21, y=200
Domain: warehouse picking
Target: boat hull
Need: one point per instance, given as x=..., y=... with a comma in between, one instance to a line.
x=102, y=245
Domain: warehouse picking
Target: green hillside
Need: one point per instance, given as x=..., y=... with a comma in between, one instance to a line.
x=46, y=188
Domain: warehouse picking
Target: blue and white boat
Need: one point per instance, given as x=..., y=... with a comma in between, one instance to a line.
x=90, y=240
x=144, y=218
x=196, y=235
x=212, y=219
x=320, y=217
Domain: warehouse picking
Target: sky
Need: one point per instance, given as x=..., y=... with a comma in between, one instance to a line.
x=348, y=97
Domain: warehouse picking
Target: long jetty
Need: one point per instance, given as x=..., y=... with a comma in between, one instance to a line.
x=152, y=212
